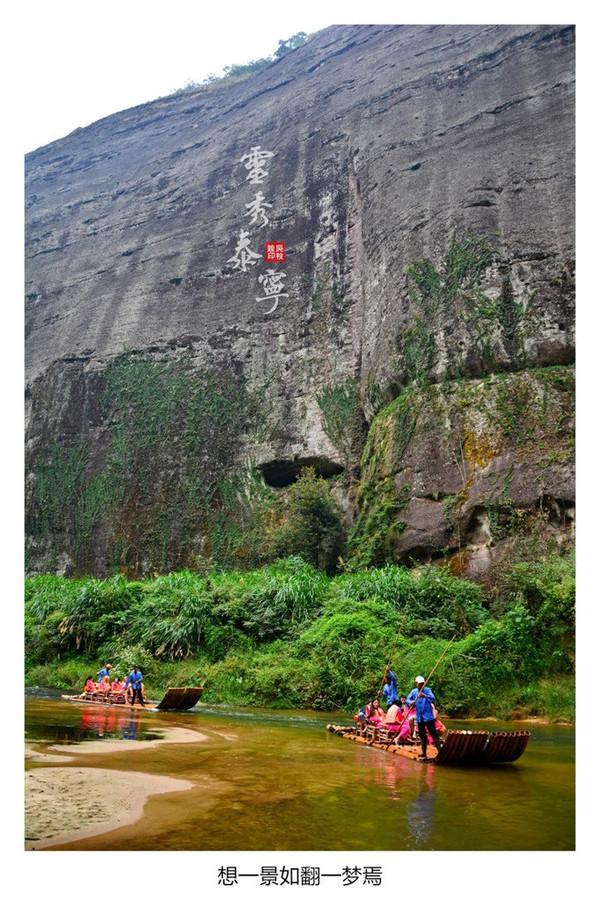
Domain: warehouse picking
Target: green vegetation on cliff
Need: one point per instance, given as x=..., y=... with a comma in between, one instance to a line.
x=477, y=433
x=490, y=333
x=163, y=488
x=241, y=71
x=288, y=635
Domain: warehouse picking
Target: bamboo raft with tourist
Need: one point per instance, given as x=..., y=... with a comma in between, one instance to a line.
x=174, y=698
x=458, y=748
x=411, y=727
x=125, y=691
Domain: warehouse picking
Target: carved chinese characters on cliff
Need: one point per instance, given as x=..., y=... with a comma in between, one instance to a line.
x=273, y=287
x=245, y=257
x=257, y=208
x=255, y=158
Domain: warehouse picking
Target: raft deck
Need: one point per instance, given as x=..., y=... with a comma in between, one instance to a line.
x=460, y=748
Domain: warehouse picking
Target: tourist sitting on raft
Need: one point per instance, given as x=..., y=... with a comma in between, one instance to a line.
x=371, y=714
x=403, y=726
x=113, y=691
x=402, y=720
x=393, y=717
x=92, y=691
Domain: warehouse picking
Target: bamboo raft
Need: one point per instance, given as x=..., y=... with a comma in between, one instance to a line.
x=175, y=698
x=460, y=748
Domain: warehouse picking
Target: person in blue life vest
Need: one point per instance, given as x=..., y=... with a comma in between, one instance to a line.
x=390, y=689
x=103, y=672
x=135, y=683
x=423, y=699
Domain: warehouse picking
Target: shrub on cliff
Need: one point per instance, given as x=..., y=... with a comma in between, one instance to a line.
x=312, y=526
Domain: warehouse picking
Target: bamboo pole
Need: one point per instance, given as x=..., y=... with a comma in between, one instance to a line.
x=428, y=678
x=391, y=654
x=439, y=661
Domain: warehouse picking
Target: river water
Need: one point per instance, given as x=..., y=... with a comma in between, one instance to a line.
x=277, y=780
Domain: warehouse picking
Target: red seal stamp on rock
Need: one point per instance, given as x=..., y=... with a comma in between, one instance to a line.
x=275, y=251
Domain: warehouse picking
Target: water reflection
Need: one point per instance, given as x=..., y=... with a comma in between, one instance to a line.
x=420, y=814
x=269, y=780
x=89, y=723
x=131, y=726
x=403, y=779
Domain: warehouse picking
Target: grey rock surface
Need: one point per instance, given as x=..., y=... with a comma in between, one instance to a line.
x=386, y=140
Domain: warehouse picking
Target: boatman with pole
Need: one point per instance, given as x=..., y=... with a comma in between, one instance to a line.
x=423, y=698
x=135, y=682
x=390, y=688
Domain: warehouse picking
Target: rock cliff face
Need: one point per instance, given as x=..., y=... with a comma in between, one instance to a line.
x=172, y=374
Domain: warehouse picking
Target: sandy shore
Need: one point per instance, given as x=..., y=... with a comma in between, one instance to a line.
x=62, y=805
x=66, y=803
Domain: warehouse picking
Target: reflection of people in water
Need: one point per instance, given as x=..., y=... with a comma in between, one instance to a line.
x=420, y=814
x=130, y=727
x=102, y=721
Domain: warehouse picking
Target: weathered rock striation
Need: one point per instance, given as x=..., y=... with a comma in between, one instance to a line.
x=163, y=393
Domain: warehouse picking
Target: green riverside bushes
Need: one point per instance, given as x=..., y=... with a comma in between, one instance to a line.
x=288, y=635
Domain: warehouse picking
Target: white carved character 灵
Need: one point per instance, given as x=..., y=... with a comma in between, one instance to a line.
x=256, y=173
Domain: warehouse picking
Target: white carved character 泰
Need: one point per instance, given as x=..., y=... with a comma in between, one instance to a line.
x=243, y=256
x=254, y=165
x=273, y=287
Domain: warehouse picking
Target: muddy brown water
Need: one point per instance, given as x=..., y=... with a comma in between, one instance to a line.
x=277, y=780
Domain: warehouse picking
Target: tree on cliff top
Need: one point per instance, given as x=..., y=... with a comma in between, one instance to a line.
x=292, y=43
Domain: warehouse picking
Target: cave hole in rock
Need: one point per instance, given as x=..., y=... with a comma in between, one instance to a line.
x=560, y=512
x=478, y=529
x=280, y=473
x=421, y=556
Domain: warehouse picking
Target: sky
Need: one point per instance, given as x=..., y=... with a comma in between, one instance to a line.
x=80, y=62
x=86, y=62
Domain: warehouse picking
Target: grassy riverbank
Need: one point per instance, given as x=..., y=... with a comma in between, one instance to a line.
x=288, y=635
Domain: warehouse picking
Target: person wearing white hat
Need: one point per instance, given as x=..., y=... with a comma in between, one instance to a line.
x=423, y=699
